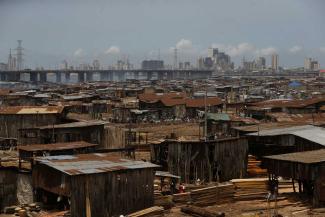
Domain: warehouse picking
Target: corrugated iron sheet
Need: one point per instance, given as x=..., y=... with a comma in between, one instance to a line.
x=91, y=163
x=307, y=157
x=56, y=146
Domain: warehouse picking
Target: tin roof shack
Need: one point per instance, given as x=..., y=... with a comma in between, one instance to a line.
x=96, y=184
x=168, y=105
x=216, y=160
x=14, y=118
x=285, y=140
x=89, y=131
x=219, y=125
x=28, y=152
x=258, y=110
x=307, y=167
x=213, y=104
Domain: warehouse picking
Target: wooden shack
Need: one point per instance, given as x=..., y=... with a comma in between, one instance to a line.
x=306, y=167
x=14, y=118
x=96, y=184
x=286, y=140
x=89, y=131
x=217, y=160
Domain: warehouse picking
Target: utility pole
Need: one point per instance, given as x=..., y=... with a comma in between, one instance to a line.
x=205, y=115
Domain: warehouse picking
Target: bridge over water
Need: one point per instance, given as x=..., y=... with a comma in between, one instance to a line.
x=106, y=75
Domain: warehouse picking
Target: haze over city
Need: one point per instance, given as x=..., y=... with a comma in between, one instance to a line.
x=81, y=31
x=162, y=108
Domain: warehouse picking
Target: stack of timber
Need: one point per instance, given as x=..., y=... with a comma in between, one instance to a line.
x=154, y=211
x=248, y=189
x=182, y=198
x=201, y=212
x=218, y=194
x=254, y=167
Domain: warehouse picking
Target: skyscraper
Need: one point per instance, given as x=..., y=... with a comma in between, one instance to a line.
x=275, y=62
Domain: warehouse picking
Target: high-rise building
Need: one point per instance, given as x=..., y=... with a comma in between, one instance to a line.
x=260, y=63
x=275, y=62
x=212, y=52
x=96, y=65
x=12, y=63
x=152, y=64
x=310, y=64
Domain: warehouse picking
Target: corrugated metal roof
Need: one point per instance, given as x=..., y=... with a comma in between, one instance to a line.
x=218, y=116
x=31, y=110
x=307, y=157
x=74, y=125
x=309, y=132
x=91, y=163
x=56, y=146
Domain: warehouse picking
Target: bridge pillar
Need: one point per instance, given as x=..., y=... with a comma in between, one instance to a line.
x=111, y=76
x=169, y=75
x=81, y=77
x=149, y=75
x=160, y=75
x=89, y=76
x=103, y=76
x=67, y=76
x=33, y=76
x=58, y=77
x=136, y=75
x=43, y=76
x=3, y=76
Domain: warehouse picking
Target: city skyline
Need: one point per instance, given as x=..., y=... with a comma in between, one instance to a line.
x=146, y=32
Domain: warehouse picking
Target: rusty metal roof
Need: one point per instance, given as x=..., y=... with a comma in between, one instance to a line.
x=308, y=132
x=78, y=124
x=56, y=146
x=24, y=110
x=307, y=157
x=91, y=163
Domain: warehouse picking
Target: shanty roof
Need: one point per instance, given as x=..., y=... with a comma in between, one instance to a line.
x=56, y=146
x=218, y=117
x=307, y=157
x=91, y=163
x=280, y=103
x=313, y=118
x=266, y=126
x=78, y=124
x=166, y=174
x=200, y=102
x=23, y=110
x=308, y=132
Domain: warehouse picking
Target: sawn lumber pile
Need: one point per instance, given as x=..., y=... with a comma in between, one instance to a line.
x=247, y=189
x=218, y=194
x=154, y=211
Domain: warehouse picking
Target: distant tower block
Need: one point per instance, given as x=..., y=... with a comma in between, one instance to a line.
x=175, y=58
x=19, y=50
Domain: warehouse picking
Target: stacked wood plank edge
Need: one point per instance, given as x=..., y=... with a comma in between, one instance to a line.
x=247, y=189
x=154, y=211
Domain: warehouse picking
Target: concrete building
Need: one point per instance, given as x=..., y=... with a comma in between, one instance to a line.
x=152, y=64
x=275, y=61
x=96, y=65
x=311, y=64
x=260, y=63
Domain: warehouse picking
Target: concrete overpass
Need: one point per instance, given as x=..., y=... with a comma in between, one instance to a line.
x=106, y=75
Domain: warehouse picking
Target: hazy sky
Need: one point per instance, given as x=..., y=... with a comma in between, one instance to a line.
x=80, y=31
